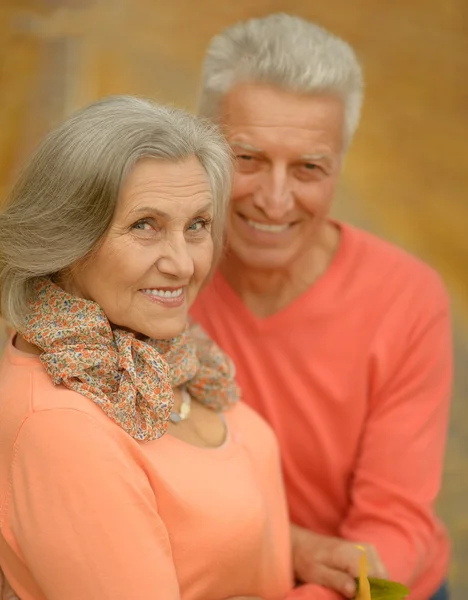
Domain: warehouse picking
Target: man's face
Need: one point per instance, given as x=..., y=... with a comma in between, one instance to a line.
x=289, y=150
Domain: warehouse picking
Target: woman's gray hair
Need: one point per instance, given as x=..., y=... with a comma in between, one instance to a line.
x=65, y=196
x=285, y=51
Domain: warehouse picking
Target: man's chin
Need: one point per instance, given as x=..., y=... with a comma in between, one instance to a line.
x=271, y=259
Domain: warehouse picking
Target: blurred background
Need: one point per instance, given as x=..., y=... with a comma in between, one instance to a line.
x=406, y=177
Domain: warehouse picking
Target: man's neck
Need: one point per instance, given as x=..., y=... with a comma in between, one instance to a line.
x=266, y=292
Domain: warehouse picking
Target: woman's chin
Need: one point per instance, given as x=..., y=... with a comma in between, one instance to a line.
x=161, y=333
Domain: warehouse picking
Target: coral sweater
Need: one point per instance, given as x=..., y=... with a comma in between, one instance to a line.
x=355, y=378
x=87, y=512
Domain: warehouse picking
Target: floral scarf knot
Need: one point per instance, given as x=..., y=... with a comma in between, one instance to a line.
x=131, y=380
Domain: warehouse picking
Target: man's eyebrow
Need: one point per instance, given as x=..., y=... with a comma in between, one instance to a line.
x=313, y=157
x=246, y=146
x=319, y=157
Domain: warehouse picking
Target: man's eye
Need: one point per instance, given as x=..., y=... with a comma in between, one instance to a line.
x=310, y=166
x=245, y=157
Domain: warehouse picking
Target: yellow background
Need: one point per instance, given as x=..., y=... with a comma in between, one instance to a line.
x=406, y=176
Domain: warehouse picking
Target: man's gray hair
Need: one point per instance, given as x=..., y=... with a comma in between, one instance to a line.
x=63, y=201
x=285, y=51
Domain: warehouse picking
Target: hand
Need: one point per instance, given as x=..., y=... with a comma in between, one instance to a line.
x=331, y=562
x=6, y=592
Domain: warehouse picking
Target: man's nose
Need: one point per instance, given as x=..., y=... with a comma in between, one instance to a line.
x=274, y=197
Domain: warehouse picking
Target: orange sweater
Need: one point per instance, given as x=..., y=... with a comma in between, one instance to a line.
x=86, y=512
x=355, y=378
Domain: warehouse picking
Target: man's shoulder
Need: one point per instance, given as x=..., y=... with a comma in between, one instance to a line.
x=390, y=267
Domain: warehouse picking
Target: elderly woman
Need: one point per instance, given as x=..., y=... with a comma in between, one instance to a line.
x=127, y=468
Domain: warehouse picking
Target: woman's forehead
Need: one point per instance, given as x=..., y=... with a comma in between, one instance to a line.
x=164, y=188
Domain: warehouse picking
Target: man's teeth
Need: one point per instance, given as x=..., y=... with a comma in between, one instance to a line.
x=265, y=227
x=164, y=293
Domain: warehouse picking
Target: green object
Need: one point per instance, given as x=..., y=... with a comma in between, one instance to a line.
x=381, y=589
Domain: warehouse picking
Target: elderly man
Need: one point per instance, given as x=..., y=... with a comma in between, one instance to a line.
x=341, y=340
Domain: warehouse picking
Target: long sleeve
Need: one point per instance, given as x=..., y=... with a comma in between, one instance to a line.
x=398, y=474
x=83, y=515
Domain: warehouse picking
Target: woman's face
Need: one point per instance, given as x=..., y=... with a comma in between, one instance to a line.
x=157, y=251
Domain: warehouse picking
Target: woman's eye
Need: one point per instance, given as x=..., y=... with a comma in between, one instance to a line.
x=198, y=225
x=142, y=225
x=246, y=157
x=310, y=166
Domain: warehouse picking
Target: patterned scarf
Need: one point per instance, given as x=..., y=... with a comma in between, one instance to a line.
x=130, y=379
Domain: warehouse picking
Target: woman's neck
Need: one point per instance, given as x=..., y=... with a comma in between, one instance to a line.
x=23, y=346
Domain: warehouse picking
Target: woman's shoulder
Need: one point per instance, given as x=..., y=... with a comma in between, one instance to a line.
x=26, y=388
x=28, y=396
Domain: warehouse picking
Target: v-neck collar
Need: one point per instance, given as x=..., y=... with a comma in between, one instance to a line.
x=322, y=293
